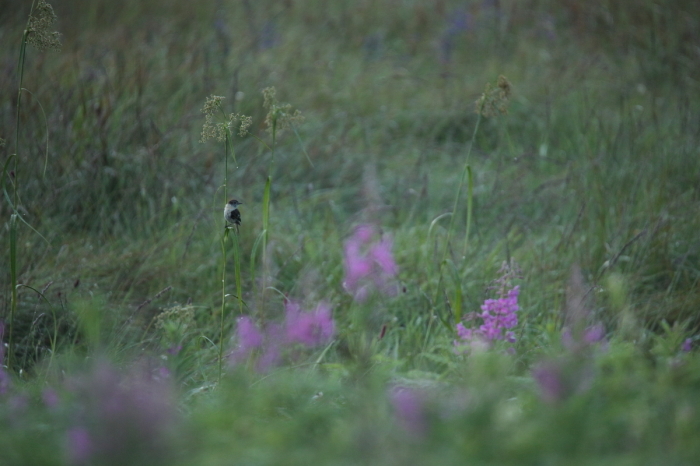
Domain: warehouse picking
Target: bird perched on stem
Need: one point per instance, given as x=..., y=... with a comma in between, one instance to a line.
x=232, y=215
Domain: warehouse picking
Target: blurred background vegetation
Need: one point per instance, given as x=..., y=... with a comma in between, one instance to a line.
x=595, y=164
x=589, y=183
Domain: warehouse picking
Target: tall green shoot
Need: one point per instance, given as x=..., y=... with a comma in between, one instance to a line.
x=493, y=101
x=279, y=117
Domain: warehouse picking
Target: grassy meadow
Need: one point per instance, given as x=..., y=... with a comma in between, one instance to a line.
x=469, y=232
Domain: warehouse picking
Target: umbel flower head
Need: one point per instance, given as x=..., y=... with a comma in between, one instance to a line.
x=494, y=101
x=279, y=116
x=217, y=130
x=39, y=28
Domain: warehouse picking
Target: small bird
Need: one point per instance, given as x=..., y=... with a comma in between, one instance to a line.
x=231, y=214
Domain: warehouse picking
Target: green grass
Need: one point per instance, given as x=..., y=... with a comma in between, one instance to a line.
x=595, y=166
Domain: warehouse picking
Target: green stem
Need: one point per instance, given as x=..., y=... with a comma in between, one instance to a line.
x=266, y=214
x=223, y=255
x=237, y=263
x=15, y=199
x=465, y=171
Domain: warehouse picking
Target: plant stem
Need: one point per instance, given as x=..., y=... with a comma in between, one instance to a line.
x=15, y=200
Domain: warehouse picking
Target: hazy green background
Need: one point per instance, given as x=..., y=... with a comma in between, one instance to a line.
x=596, y=164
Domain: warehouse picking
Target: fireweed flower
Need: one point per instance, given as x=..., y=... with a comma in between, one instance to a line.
x=122, y=418
x=591, y=337
x=549, y=379
x=409, y=407
x=78, y=446
x=248, y=337
x=368, y=263
x=687, y=345
x=50, y=398
x=309, y=328
x=498, y=317
x=271, y=348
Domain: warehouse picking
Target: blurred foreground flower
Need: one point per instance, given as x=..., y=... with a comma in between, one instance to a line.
x=369, y=263
x=687, y=345
x=410, y=411
x=558, y=379
x=310, y=329
x=121, y=418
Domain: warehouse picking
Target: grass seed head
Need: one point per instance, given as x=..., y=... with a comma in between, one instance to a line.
x=39, y=28
x=495, y=100
x=279, y=116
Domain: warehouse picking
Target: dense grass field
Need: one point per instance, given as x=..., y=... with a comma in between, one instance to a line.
x=469, y=232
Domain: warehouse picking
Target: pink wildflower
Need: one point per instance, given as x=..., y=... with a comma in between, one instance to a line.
x=498, y=316
x=367, y=262
x=309, y=328
x=409, y=406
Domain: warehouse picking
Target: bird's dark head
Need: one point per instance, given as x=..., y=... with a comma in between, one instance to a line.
x=234, y=203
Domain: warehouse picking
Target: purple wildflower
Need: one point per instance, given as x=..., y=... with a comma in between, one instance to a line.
x=498, y=316
x=367, y=262
x=5, y=381
x=381, y=255
x=592, y=336
x=174, y=350
x=78, y=446
x=50, y=398
x=464, y=333
x=409, y=407
x=129, y=417
x=248, y=338
x=309, y=328
x=549, y=380
x=687, y=345
x=272, y=353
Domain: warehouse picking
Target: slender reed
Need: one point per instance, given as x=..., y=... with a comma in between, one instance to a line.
x=279, y=117
x=222, y=131
x=37, y=33
x=492, y=102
